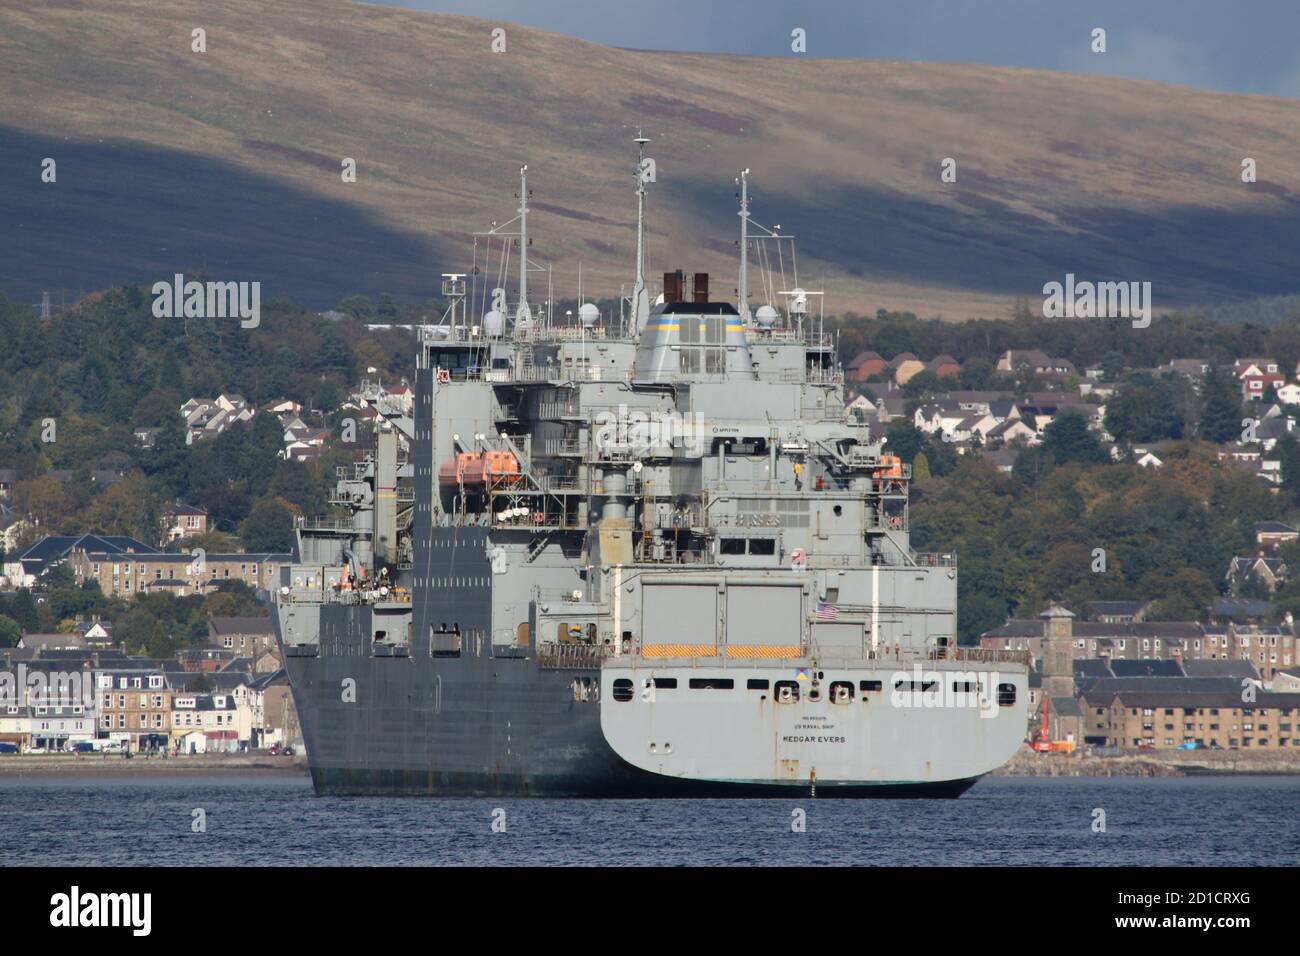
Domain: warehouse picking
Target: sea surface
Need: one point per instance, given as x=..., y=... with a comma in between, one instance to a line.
x=1021, y=821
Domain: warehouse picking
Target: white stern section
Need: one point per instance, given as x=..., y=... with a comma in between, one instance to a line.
x=794, y=723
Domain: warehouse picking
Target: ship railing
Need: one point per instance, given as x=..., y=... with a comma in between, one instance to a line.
x=345, y=596
x=821, y=340
x=575, y=656
x=552, y=410
x=681, y=520
x=815, y=375
x=326, y=523
x=991, y=655
x=562, y=446
x=632, y=487
x=890, y=559
x=716, y=655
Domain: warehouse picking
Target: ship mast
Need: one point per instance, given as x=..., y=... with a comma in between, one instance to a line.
x=523, y=314
x=742, y=304
x=640, y=300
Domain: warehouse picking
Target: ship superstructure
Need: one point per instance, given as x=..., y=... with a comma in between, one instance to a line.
x=643, y=554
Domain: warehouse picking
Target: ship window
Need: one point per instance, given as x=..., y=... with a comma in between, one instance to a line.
x=756, y=683
x=1006, y=695
x=913, y=686
x=731, y=545
x=963, y=687
x=841, y=691
x=712, y=683
x=622, y=690
x=870, y=685
x=762, y=546
x=787, y=691
x=666, y=683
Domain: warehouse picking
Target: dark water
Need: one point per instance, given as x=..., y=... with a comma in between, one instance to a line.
x=1002, y=820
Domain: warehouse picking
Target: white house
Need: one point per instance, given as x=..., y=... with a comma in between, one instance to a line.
x=1289, y=394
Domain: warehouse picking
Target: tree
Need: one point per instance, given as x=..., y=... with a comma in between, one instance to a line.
x=268, y=527
x=903, y=439
x=23, y=610
x=169, y=461
x=129, y=507
x=10, y=632
x=1068, y=439
x=1144, y=411
x=1033, y=464
x=170, y=378
x=920, y=467
x=1220, y=407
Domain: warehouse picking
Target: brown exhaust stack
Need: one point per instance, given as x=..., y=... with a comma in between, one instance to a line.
x=674, y=283
x=701, y=287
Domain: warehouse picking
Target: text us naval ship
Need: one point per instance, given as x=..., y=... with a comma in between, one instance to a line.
x=638, y=555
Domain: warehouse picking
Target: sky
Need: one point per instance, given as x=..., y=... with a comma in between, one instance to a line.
x=1236, y=46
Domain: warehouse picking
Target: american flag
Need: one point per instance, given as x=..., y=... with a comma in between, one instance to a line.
x=827, y=612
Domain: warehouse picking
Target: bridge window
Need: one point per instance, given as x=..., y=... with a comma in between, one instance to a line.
x=731, y=545
x=762, y=546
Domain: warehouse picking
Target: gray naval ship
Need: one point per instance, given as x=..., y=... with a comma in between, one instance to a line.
x=633, y=555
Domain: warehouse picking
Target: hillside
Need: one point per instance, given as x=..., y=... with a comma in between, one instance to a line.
x=229, y=160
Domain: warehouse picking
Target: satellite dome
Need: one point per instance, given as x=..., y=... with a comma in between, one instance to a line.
x=494, y=323
x=766, y=316
x=588, y=314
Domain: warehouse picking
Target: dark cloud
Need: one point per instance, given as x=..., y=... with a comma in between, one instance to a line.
x=1246, y=46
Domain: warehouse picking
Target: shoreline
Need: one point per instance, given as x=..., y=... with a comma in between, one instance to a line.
x=1164, y=763
x=1025, y=763
x=114, y=765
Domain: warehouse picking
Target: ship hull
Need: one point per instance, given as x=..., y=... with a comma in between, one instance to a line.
x=480, y=725
x=634, y=784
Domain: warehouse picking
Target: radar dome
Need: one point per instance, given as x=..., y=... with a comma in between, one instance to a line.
x=588, y=314
x=494, y=323
x=766, y=316
x=798, y=301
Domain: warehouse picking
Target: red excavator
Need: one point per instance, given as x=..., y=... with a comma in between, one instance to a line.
x=1042, y=740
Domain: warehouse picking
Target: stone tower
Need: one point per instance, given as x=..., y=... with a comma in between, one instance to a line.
x=1058, y=652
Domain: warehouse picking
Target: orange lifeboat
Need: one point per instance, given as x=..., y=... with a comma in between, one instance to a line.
x=499, y=468
x=891, y=466
x=455, y=471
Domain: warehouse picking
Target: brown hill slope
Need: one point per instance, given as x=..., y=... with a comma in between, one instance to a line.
x=230, y=160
